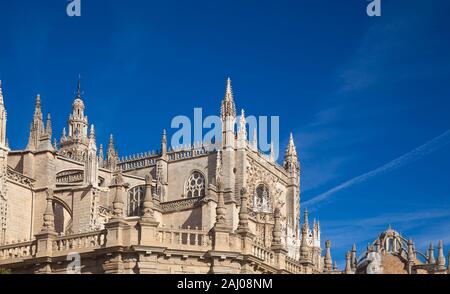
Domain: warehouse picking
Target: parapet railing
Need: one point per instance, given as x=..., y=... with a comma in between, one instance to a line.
x=263, y=253
x=88, y=240
x=292, y=266
x=195, y=238
x=18, y=250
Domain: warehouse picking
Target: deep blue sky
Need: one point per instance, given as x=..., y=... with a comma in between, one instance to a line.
x=357, y=92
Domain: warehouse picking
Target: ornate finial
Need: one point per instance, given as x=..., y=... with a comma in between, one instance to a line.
x=228, y=108
x=1, y=92
x=79, y=86
x=242, y=129
x=291, y=163
x=118, y=203
x=431, y=259
x=255, y=139
x=243, y=212
x=147, y=206
x=411, y=253
x=49, y=218
x=276, y=234
x=305, y=218
x=48, y=127
x=348, y=267
x=220, y=211
x=354, y=259
x=164, y=143
x=229, y=91
x=38, y=101
x=328, y=260
x=92, y=133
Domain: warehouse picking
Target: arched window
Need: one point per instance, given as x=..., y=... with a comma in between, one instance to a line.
x=390, y=245
x=135, y=200
x=195, y=185
x=262, y=201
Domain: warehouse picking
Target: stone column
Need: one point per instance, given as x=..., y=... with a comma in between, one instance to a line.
x=45, y=238
x=148, y=223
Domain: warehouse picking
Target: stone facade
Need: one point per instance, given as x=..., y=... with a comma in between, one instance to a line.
x=222, y=208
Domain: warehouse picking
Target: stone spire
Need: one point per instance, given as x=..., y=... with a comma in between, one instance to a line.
x=348, y=266
x=49, y=218
x=147, y=205
x=228, y=108
x=242, y=131
x=255, y=139
x=37, y=126
x=272, y=152
x=328, y=260
x=291, y=163
x=431, y=259
x=164, y=143
x=91, y=161
x=354, y=259
x=243, y=212
x=112, y=154
x=441, y=258
x=305, y=219
x=48, y=128
x=3, y=116
x=304, y=246
x=101, y=156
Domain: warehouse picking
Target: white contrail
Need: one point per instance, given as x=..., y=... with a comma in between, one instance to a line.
x=419, y=152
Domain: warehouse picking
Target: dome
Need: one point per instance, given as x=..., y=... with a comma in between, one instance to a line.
x=78, y=103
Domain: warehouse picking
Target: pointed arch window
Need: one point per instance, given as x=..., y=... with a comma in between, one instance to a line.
x=262, y=201
x=195, y=185
x=135, y=200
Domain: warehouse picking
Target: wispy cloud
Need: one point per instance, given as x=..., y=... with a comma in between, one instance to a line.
x=409, y=157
